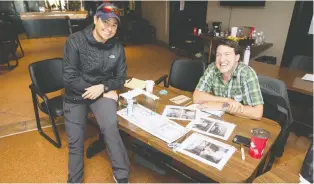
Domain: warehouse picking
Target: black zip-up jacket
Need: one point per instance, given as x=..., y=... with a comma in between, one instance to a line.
x=88, y=62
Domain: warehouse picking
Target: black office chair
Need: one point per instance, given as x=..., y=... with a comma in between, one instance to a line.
x=307, y=169
x=47, y=77
x=277, y=108
x=8, y=33
x=184, y=74
x=8, y=45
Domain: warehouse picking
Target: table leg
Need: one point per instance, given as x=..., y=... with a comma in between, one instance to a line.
x=210, y=50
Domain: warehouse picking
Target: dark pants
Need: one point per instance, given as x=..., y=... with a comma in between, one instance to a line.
x=75, y=116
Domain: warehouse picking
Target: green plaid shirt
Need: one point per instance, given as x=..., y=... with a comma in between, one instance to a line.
x=242, y=87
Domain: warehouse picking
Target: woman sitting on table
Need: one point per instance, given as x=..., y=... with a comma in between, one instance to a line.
x=94, y=67
x=230, y=85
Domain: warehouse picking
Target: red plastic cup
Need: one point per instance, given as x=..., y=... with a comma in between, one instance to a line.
x=258, y=142
x=195, y=31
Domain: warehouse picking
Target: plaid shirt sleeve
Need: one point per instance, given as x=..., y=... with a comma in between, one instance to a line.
x=205, y=83
x=253, y=95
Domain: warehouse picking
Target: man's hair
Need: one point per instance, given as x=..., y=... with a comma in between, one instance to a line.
x=230, y=43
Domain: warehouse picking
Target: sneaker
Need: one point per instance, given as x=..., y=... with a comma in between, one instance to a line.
x=123, y=180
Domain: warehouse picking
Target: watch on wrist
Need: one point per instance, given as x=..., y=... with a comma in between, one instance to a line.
x=225, y=106
x=106, y=89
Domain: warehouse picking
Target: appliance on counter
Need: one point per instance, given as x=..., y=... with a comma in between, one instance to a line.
x=216, y=28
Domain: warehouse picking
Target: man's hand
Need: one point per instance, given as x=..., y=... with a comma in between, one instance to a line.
x=93, y=92
x=111, y=94
x=234, y=107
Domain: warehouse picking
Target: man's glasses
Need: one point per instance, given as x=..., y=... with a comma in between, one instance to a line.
x=110, y=9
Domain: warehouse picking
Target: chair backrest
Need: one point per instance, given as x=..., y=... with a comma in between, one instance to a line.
x=47, y=74
x=304, y=63
x=7, y=32
x=185, y=74
x=307, y=166
x=276, y=87
x=277, y=108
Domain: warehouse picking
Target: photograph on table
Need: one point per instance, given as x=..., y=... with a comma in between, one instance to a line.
x=180, y=113
x=207, y=150
x=212, y=127
x=203, y=125
x=218, y=129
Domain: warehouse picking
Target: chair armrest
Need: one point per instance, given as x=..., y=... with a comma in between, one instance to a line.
x=162, y=78
x=37, y=91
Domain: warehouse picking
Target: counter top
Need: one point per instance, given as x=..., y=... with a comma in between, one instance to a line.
x=54, y=15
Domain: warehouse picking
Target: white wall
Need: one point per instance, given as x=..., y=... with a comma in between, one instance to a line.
x=273, y=19
x=157, y=13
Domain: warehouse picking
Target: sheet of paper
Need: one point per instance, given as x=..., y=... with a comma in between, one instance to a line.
x=153, y=123
x=303, y=180
x=135, y=83
x=207, y=150
x=212, y=127
x=179, y=99
x=206, y=113
x=181, y=113
x=308, y=77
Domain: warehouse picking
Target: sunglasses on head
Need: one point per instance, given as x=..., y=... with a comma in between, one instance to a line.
x=110, y=9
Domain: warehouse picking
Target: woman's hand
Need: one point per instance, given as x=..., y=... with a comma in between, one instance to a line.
x=111, y=94
x=94, y=92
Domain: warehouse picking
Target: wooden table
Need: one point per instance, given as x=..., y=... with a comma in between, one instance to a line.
x=291, y=77
x=236, y=170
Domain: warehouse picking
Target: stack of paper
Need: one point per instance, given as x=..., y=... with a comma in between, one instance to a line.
x=153, y=123
x=135, y=83
x=303, y=180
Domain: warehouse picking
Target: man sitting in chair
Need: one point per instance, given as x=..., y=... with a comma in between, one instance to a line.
x=230, y=85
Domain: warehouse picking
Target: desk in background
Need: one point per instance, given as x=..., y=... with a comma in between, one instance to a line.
x=47, y=24
x=300, y=94
x=291, y=77
x=235, y=170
